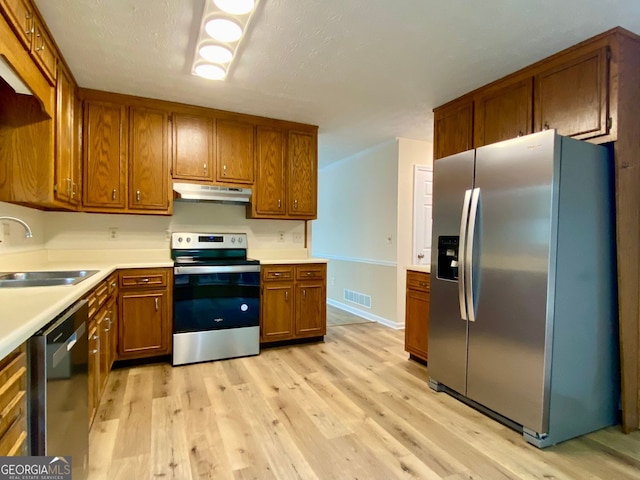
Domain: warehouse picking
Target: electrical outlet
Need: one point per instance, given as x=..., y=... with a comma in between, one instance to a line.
x=281, y=237
x=390, y=239
x=113, y=233
x=297, y=237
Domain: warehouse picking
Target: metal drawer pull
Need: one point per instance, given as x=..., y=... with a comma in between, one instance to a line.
x=276, y=274
x=137, y=195
x=279, y=203
x=113, y=284
x=423, y=284
x=144, y=280
x=309, y=273
x=114, y=194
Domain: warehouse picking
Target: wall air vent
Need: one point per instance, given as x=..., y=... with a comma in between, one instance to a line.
x=357, y=298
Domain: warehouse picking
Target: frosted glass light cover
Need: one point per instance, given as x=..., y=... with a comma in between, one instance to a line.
x=223, y=30
x=211, y=72
x=235, y=7
x=216, y=53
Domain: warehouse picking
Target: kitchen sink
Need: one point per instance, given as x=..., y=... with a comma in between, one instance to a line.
x=44, y=279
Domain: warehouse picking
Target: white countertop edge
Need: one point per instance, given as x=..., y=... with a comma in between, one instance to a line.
x=419, y=268
x=290, y=261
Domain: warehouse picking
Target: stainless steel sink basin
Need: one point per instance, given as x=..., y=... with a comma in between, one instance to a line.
x=44, y=279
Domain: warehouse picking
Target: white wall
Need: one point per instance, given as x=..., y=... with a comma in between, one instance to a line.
x=357, y=214
x=16, y=242
x=410, y=153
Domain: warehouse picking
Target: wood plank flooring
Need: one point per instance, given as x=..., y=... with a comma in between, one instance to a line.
x=353, y=407
x=337, y=316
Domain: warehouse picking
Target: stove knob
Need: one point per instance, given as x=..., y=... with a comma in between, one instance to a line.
x=233, y=239
x=179, y=239
x=239, y=239
x=188, y=239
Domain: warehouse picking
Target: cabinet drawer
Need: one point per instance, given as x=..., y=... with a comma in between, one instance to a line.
x=13, y=441
x=12, y=389
x=272, y=273
x=143, y=278
x=418, y=281
x=112, y=284
x=311, y=271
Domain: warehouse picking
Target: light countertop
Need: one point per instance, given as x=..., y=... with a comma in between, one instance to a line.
x=420, y=268
x=24, y=311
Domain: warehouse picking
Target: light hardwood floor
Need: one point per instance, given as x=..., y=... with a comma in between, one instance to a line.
x=337, y=316
x=353, y=407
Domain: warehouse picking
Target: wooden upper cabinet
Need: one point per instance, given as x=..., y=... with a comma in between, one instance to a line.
x=66, y=164
x=105, y=155
x=573, y=96
x=21, y=18
x=234, y=152
x=453, y=128
x=503, y=112
x=43, y=51
x=193, y=138
x=302, y=175
x=269, y=189
x=148, y=159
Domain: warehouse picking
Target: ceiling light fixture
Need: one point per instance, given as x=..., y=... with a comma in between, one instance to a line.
x=223, y=26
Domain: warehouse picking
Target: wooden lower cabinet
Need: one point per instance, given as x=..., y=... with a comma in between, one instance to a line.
x=102, y=338
x=13, y=403
x=293, y=302
x=144, y=322
x=416, y=332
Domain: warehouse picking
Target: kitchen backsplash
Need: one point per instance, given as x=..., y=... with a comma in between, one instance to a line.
x=71, y=230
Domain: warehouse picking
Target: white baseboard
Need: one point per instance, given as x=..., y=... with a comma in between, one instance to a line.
x=366, y=315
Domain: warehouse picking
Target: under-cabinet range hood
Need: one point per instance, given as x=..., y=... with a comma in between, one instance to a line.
x=11, y=77
x=211, y=193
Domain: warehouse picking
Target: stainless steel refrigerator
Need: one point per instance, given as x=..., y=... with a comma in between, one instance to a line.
x=523, y=321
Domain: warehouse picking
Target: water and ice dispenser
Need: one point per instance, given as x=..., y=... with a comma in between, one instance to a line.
x=448, y=257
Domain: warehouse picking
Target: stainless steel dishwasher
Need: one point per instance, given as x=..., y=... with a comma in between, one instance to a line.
x=58, y=389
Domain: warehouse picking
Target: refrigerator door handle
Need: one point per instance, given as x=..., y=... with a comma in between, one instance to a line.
x=461, y=254
x=468, y=256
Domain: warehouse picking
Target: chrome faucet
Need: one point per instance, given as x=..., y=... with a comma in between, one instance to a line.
x=27, y=229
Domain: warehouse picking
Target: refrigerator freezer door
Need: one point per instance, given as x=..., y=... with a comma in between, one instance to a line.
x=453, y=176
x=513, y=243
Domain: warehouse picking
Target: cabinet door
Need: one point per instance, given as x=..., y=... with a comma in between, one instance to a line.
x=503, y=113
x=311, y=310
x=269, y=189
x=148, y=160
x=143, y=327
x=192, y=147
x=112, y=330
x=303, y=175
x=573, y=97
x=43, y=51
x=416, y=329
x=76, y=160
x=277, y=307
x=453, y=129
x=102, y=330
x=65, y=139
x=21, y=18
x=234, y=152
x=105, y=156
x=93, y=370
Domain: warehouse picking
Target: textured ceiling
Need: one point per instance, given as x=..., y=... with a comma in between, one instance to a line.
x=365, y=71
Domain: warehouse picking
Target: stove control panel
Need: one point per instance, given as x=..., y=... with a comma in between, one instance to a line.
x=208, y=241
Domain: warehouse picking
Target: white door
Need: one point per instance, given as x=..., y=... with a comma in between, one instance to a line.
x=422, y=200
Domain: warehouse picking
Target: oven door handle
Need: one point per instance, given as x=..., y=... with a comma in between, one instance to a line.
x=204, y=269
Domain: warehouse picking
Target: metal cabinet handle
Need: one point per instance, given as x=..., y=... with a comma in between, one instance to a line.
x=276, y=274
x=74, y=189
x=422, y=284
x=279, y=203
x=309, y=273
x=286, y=295
x=114, y=194
x=41, y=47
x=520, y=134
x=113, y=284
x=205, y=168
x=137, y=195
x=295, y=204
x=224, y=170
x=29, y=30
x=546, y=126
x=156, y=300
x=421, y=256
x=108, y=326
x=144, y=280
x=304, y=293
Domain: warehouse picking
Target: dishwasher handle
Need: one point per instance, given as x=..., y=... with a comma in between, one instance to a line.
x=68, y=344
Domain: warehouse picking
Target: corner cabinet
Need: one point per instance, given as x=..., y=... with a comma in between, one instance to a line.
x=144, y=320
x=416, y=328
x=293, y=302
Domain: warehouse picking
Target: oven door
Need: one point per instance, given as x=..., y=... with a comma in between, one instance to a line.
x=215, y=297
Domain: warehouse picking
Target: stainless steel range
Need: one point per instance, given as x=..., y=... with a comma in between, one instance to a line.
x=216, y=292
